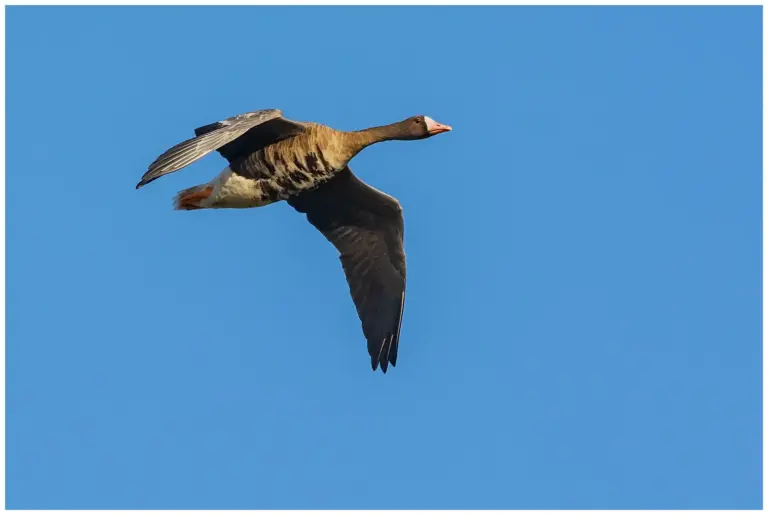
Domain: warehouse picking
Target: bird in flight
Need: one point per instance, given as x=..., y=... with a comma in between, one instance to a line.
x=272, y=158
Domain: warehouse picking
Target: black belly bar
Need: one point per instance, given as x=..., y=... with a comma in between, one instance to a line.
x=280, y=178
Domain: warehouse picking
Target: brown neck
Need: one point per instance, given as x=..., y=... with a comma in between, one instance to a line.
x=359, y=140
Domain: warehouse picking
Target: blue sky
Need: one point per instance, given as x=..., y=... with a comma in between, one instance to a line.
x=583, y=319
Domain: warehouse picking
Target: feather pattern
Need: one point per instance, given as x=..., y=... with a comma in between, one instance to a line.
x=189, y=151
x=295, y=165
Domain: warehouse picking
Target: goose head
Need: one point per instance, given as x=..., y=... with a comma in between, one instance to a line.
x=420, y=127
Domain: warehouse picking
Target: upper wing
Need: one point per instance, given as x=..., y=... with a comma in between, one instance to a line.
x=217, y=136
x=255, y=138
x=366, y=226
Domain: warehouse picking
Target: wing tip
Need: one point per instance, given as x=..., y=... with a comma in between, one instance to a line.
x=384, y=365
x=146, y=179
x=389, y=359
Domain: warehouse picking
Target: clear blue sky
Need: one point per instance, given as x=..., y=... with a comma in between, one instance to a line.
x=583, y=318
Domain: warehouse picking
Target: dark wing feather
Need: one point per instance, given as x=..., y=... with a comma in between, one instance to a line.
x=366, y=227
x=211, y=137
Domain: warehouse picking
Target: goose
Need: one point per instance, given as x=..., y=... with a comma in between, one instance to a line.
x=271, y=158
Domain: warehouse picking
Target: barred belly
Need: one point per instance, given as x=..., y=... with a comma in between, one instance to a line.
x=270, y=175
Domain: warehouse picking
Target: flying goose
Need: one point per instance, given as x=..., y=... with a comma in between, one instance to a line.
x=272, y=158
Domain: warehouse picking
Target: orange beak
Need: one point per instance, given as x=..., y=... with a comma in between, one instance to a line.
x=436, y=128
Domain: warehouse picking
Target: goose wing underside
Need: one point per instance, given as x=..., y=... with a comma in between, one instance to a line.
x=366, y=227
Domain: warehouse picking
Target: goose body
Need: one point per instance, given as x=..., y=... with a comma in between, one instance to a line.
x=271, y=158
x=279, y=171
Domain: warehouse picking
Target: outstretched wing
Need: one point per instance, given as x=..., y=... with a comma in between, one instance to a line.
x=255, y=138
x=366, y=227
x=222, y=135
